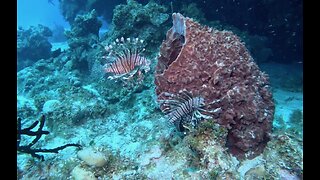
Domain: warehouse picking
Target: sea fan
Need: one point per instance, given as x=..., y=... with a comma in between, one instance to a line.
x=183, y=110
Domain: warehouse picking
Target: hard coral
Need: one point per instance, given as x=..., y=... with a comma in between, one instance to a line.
x=33, y=45
x=84, y=30
x=217, y=66
x=148, y=22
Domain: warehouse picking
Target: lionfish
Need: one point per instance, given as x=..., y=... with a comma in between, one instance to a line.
x=183, y=110
x=127, y=59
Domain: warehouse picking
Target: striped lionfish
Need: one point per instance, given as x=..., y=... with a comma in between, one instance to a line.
x=183, y=110
x=127, y=59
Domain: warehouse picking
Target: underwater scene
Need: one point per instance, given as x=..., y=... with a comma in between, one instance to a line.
x=160, y=89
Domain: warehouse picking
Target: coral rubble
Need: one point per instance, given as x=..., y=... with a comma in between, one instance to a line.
x=217, y=66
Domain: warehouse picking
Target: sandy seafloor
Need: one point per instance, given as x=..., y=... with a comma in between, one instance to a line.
x=137, y=140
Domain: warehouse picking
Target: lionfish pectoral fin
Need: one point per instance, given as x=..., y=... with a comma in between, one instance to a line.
x=116, y=76
x=210, y=111
x=178, y=125
x=186, y=127
x=199, y=115
x=187, y=95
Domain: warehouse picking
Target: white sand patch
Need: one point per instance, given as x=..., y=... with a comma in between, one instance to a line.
x=287, y=102
x=165, y=168
x=154, y=153
x=131, y=150
x=62, y=45
x=115, y=141
x=249, y=164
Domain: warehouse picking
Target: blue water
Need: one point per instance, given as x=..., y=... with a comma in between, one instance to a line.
x=32, y=13
x=79, y=81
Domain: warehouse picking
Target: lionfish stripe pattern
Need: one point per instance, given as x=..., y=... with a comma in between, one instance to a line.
x=126, y=62
x=183, y=108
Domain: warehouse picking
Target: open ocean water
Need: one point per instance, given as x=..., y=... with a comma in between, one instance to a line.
x=159, y=89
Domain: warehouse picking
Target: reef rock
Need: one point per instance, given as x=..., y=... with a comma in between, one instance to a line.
x=217, y=66
x=33, y=45
x=84, y=30
x=148, y=22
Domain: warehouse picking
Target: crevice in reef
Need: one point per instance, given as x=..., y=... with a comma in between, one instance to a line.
x=175, y=41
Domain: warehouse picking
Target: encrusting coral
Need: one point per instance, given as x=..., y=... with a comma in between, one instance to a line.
x=216, y=66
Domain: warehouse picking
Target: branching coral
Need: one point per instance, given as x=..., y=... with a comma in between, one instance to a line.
x=28, y=132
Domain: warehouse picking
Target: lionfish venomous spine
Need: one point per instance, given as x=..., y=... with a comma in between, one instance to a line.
x=183, y=110
x=126, y=60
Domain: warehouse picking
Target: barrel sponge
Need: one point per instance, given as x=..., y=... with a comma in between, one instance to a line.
x=217, y=66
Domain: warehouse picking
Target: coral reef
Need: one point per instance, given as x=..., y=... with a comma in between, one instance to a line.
x=70, y=9
x=28, y=132
x=128, y=128
x=32, y=45
x=82, y=38
x=127, y=135
x=216, y=66
x=84, y=30
x=287, y=157
x=294, y=125
x=82, y=109
x=296, y=120
x=148, y=22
